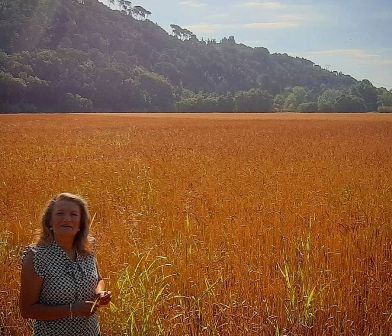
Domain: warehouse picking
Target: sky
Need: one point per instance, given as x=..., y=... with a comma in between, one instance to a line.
x=351, y=36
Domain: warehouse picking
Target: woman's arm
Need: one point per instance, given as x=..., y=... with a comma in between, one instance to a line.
x=104, y=296
x=101, y=285
x=31, y=285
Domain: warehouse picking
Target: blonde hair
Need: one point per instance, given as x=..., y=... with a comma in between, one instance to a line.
x=83, y=242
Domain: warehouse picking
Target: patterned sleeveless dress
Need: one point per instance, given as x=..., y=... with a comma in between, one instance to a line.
x=65, y=281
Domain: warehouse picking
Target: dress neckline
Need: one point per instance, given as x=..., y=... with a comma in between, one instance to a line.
x=64, y=253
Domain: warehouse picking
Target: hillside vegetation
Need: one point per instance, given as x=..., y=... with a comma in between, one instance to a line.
x=80, y=55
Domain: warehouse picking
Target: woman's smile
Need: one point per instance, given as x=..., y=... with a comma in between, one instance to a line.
x=66, y=218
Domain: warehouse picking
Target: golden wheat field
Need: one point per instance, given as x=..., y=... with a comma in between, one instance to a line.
x=213, y=224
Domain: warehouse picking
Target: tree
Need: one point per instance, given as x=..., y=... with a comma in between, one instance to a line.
x=385, y=98
x=157, y=91
x=327, y=100
x=279, y=102
x=108, y=91
x=365, y=90
x=141, y=12
x=296, y=97
x=12, y=89
x=261, y=52
x=205, y=102
x=187, y=34
x=228, y=41
x=36, y=91
x=77, y=103
x=225, y=103
x=176, y=30
x=126, y=6
x=350, y=103
x=182, y=33
x=307, y=107
x=254, y=100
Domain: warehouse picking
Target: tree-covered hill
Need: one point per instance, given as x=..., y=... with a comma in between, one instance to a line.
x=79, y=55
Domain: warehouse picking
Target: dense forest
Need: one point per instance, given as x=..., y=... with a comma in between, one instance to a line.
x=80, y=55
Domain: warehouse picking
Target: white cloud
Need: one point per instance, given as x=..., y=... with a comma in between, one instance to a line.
x=260, y=16
x=218, y=16
x=358, y=55
x=267, y=23
x=373, y=64
x=270, y=25
x=264, y=4
x=254, y=43
x=207, y=27
x=201, y=28
x=191, y=3
x=300, y=18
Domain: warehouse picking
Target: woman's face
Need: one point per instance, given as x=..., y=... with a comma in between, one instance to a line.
x=66, y=217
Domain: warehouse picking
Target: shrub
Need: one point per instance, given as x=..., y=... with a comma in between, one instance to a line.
x=387, y=109
x=307, y=107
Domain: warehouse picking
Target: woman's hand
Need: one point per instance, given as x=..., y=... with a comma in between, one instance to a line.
x=85, y=308
x=104, y=297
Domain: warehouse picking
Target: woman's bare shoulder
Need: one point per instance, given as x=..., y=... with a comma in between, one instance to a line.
x=33, y=259
x=28, y=258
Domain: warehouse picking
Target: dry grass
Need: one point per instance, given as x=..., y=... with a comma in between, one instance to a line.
x=214, y=224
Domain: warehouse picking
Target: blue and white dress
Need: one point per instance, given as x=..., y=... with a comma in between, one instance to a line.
x=65, y=281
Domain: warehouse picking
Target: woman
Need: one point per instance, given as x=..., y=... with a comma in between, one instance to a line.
x=61, y=288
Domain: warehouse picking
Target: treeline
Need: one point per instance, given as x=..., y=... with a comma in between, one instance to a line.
x=254, y=100
x=363, y=97
x=79, y=55
x=71, y=80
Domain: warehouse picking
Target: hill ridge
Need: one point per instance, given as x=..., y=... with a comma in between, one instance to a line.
x=90, y=57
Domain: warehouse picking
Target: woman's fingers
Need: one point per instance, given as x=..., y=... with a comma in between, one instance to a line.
x=85, y=308
x=92, y=306
x=105, y=297
x=95, y=305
